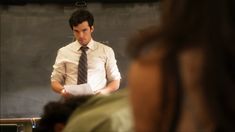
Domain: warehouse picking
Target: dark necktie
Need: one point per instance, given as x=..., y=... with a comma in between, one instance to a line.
x=82, y=66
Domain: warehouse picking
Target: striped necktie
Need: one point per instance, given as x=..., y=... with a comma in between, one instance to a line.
x=82, y=66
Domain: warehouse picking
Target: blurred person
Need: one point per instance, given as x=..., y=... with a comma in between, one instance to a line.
x=96, y=113
x=56, y=113
x=182, y=74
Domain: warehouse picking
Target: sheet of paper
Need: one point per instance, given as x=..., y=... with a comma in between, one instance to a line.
x=83, y=89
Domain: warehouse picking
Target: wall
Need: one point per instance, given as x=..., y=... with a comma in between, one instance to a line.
x=31, y=34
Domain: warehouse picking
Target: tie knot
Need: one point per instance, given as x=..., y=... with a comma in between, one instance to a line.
x=84, y=48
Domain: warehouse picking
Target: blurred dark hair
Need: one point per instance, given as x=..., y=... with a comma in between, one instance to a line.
x=59, y=112
x=79, y=16
x=207, y=24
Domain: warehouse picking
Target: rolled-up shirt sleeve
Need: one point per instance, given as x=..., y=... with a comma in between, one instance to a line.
x=58, y=73
x=112, y=71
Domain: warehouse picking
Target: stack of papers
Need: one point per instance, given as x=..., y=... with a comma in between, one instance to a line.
x=77, y=90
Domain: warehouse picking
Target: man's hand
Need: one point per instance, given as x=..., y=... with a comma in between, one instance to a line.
x=65, y=94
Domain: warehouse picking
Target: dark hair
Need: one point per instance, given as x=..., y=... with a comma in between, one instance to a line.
x=207, y=24
x=59, y=112
x=80, y=16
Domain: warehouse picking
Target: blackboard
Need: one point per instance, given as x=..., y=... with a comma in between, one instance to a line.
x=31, y=34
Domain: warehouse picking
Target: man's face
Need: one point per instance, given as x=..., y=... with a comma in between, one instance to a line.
x=82, y=32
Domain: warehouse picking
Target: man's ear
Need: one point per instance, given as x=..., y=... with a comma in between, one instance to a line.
x=92, y=28
x=59, y=127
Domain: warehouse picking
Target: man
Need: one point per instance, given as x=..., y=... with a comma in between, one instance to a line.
x=103, y=75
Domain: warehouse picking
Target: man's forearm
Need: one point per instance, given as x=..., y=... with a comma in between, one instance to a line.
x=56, y=86
x=111, y=87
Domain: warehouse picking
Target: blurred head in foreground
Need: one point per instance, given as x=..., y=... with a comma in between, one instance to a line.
x=184, y=69
x=56, y=113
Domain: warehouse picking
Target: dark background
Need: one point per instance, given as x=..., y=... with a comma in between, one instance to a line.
x=71, y=1
x=32, y=32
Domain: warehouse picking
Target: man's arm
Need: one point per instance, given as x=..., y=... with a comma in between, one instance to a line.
x=111, y=87
x=57, y=75
x=112, y=72
x=58, y=88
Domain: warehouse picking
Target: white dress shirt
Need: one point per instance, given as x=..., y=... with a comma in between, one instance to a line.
x=102, y=66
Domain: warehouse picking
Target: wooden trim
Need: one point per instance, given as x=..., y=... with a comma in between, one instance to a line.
x=19, y=120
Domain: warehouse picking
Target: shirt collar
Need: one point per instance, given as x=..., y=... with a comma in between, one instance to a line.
x=90, y=45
